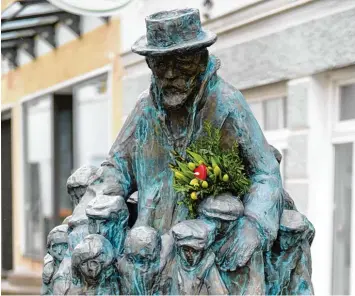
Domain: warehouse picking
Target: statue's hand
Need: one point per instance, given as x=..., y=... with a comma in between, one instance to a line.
x=247, y=240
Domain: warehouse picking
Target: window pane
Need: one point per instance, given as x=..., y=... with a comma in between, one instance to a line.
x=257, y=109
x=91, y=136
x=274, y=114
x=342, y=219
x=38, y=173
x=347, y=102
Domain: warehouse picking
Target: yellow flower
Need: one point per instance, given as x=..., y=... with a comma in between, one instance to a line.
x=193, y=195
x=225, y=178
x=204, y=184
x=194, y=182
x=217, y=171
x=191, y=166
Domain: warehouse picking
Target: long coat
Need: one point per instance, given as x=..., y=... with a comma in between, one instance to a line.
x=139, y=157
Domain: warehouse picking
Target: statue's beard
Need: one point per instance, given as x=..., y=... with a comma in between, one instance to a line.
x=176, y=92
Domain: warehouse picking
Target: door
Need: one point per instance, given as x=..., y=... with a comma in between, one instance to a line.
x=63, y=154
x=6, y=195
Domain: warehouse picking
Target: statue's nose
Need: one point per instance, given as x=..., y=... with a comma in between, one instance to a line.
x=97, y=228
x=169, y=73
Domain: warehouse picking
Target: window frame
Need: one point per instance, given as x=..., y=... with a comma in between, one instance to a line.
x=26, y=248
x=341, y=132
x=108, y=70
x=341, y=128
x=278, y=137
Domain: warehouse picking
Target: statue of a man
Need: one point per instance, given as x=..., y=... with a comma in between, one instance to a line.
x=184, y=93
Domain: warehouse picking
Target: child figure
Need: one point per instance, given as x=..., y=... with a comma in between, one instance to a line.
x=139, y=267
x=226, y=211
x=108, y=216
x=57, y=245
x=93, y=267
x=194, y=270
x=78, y=182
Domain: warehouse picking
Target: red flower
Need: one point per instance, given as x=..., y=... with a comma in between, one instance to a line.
x=201, y=172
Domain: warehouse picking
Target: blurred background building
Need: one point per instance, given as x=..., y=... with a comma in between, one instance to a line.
x=69, y=82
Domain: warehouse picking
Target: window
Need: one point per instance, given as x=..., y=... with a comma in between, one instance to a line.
x=91, y=122
x=274, y=114
x=37, y=173
x=347, y=102
x=270, y=113
x=343, y=187
x=271, y=116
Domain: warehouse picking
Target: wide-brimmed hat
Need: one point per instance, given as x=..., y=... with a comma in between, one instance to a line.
x=174, y=31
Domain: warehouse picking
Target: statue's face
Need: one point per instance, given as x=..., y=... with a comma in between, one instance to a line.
x=190, y=256
x=111, y=229
x=90, y=268
x=58, y=251
x=176, y=76
x=105, y=227
x=76, y=193
x=143, y=256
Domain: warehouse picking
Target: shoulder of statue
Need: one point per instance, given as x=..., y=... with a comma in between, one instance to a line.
x=226, y=95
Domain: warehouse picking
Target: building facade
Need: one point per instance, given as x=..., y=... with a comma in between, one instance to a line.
x=294, y=61
x=61, y=109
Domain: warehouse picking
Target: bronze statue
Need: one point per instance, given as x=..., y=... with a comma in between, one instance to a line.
x=240, y=243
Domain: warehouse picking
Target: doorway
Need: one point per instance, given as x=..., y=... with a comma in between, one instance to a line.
x=6, y=192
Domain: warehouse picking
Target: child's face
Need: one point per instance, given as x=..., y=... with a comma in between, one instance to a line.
x=90, y=268
x=191, y=256
x=143, y=257
x=58, y=250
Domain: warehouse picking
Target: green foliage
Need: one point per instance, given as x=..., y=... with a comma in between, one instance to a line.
x=226, y=171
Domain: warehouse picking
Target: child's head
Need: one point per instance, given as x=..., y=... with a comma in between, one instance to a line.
x=223, y=209
x=91, y=257
x=142, y=245
x=192, y=238
x=57, y=242
x=108, y=216
x=79, y=181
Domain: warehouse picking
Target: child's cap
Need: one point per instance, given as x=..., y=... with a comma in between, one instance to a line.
x=225, y=207
x=197, y=234
x=103, y=206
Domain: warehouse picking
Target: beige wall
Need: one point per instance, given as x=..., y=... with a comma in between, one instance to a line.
x=91, y=51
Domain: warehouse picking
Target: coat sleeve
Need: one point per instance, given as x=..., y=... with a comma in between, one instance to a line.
x=263, y=203
x=117, y=170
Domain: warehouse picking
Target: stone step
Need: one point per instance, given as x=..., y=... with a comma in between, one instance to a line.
x=25, y=279
x=9, y=289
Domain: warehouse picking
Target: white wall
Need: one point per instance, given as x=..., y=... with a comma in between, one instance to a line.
x=133, y=18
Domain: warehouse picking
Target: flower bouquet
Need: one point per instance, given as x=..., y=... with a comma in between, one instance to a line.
x=208, y=169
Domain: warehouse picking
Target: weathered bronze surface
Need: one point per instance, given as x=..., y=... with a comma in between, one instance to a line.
x=253, y=244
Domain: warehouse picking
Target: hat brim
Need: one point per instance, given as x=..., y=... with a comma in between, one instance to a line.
x=141, y=46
